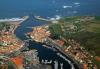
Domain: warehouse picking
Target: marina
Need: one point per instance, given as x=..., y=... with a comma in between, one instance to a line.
x=49, y=48
x=48, y=43
x=72, y=66
x=49, y=8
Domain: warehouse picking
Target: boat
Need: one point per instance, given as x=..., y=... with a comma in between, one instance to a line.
x=55, y=64
x=61, y=65
x=49, y=47
x=46, y=61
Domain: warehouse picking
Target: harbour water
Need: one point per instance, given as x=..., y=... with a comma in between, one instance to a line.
x=47, y=9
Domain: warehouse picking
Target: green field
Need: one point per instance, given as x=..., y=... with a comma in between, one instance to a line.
x=89, y=37
x=87, y=32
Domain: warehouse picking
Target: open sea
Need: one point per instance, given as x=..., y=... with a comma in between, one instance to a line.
x=47, y=9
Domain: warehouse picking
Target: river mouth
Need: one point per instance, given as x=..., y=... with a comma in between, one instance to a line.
x=46, y=8
x=43, y=53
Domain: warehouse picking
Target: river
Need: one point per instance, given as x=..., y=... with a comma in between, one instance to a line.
x=43, y=53
x=47, y=9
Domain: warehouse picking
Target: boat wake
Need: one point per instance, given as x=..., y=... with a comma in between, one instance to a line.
x=65, y=6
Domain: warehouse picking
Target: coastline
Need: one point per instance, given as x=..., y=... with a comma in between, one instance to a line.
x=14, y=25
x=54, y=48
x=18, y=24
x=75, y=59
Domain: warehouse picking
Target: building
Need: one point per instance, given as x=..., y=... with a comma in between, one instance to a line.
x=39, y=34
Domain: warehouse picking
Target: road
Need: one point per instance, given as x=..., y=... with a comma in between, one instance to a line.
x=53, y=44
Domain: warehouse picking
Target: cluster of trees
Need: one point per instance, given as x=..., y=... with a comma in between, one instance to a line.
x=90, y=40
x=4, y=25
x=89, y=37
x=55, y=30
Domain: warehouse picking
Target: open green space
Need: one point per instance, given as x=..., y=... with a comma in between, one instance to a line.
x=86, y=32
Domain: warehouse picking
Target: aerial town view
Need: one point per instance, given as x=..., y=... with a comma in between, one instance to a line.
x=49, y=34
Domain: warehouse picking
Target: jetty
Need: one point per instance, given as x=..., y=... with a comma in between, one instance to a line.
x=41, y=18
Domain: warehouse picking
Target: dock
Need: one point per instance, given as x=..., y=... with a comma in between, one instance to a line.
x=48, y=47
x=72, y=66
x=53, y=44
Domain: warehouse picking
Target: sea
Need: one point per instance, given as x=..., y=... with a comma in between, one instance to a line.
x=46, y=9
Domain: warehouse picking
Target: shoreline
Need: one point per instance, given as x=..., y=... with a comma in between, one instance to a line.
x=14, y=26
x=70, y=58
x=25, y=18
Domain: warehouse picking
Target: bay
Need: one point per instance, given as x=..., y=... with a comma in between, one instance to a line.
x=46, y=8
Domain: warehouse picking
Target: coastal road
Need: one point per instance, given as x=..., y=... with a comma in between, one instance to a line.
x=53, y=44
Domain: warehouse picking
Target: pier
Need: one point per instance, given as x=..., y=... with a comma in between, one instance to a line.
x=49, y=47
x=72, y=66
x=53, y=44
x=55, y=64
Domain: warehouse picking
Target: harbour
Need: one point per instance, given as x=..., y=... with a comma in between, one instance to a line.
x=17, y=8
